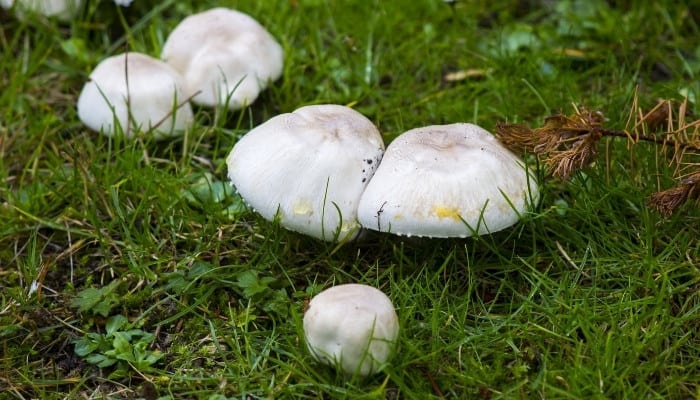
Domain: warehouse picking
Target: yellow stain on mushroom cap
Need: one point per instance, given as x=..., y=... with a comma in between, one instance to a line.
x=347, y=226
x=303, y=207
x=447, y=212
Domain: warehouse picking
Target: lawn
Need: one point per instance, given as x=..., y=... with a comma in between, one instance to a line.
x=131, y=269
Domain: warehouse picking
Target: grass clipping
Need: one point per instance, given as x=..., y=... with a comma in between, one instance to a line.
x=567, y=144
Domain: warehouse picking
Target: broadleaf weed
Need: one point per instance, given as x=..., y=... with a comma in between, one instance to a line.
x=119, y=346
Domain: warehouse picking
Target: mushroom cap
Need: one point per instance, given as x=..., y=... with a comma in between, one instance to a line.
x=152, y=93
x=352, y=326
x=447, y=181
x=225, y=55
x=309, y=168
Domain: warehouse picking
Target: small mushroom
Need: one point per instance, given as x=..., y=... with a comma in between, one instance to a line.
x=225, y=56
x=135, y=91
x=447, y=181
x=61, y=9
x=353, y=327
x=64, y=10
x=308, y=168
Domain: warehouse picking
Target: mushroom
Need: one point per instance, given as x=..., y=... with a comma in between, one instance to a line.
x=308, y=168
x=225, y=56
x=62, y=9
x=447, y=181
x=353, y=327
x=135, y=91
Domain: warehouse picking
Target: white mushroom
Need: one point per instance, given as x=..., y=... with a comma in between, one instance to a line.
x=62, y=9
x=447, y=181
x=225, y=56
x=351, y=326
x=151, y=97
x=308, y=168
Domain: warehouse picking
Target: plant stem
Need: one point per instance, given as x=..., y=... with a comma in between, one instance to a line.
x=651, y=139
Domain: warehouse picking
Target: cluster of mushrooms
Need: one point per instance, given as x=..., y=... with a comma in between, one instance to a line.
x=217, y=58
x=321, y=170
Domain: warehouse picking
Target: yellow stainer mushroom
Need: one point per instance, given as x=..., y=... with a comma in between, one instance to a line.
x=353, y=327
x=447, y=181
x=308, y=168
x=226, y=57
x=138, y=92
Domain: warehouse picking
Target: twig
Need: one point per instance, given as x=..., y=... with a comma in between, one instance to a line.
x=434, y=385
x=652, y=139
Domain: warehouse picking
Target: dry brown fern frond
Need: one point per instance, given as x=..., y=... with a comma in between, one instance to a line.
x=568, y=144
x=669, y=200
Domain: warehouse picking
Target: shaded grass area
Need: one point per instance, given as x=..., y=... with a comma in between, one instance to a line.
x=591, y=296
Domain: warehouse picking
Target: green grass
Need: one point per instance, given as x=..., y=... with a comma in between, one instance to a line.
x=592, y=296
